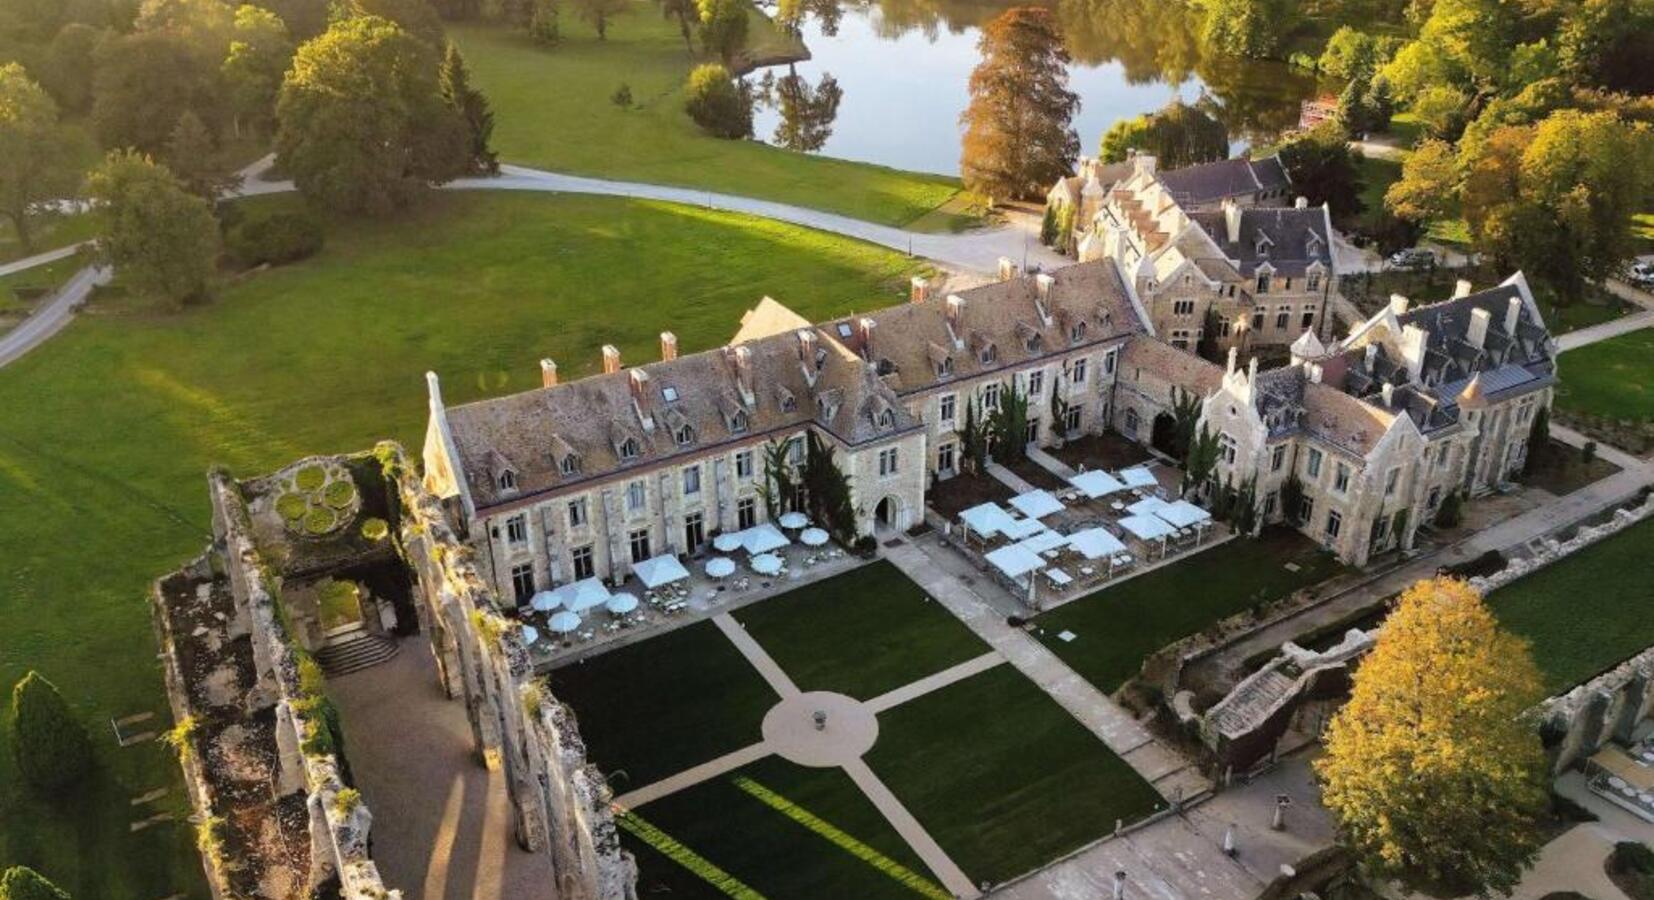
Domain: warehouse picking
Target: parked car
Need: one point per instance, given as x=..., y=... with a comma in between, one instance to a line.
x=1642, y=275
x=1411, y=258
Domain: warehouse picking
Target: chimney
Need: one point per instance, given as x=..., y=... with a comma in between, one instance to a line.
x=1372, y=355
x=1231, y=220
x=1461, y=288
x=1233, y=353
x=1476, y=334
x=1388, y=392
x=864, y=331
x=433, y=388
x=807, y=346
x=638, y=379
x=1042, y=285
x=743, y=371
x=668, y=346
x=548, y=373
x=611, y=359
x=1314, y=371
x=1513, y=312
x=1252, y=371
x=956, y=309
x=1007, y=268
x=1413, y=341
x=1301, y=203
x=918, y=289
x=1398, y=304
x=1144, y=163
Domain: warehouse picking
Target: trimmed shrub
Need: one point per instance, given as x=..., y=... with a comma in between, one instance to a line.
x=276, y=239
x=319, y=520
x=291, y=507
x=339, y=494
x=52, y=749
x=24, y=883
x=717, y=103
x=376, y=529
x=310, y=478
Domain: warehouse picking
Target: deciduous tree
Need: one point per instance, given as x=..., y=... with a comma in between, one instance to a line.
x=723, y=27
x=36, y=165
x=1178, y=135
x=597, y=13
x=1432, y=769
x=24, y=883
x=1247, y=27
x=361, y=123
x=687, y=14
x=163, y=239
x=807, y=111
x=1428, y=186
x=53, y=753
x=1018, y=137
x=416, y=17
x=145, y=81
x=544, y=24
x=258, y=57
x=717, y=103
x=455, y=82
x=194, y=160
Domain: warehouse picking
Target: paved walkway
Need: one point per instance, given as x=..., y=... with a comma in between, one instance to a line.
x=935, y=682
x=41, y=259
x=1602, y=332
x=50, y=319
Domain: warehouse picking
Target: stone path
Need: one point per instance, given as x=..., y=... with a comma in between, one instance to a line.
x=953, y=878
x=1602, y=332
x=694, y=775
x=936, y=682
x=41, y=259
x=778, y=679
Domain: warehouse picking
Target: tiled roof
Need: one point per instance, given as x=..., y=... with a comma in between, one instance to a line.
x=1289, y=239
x=1179, y=367
x=1214, y=181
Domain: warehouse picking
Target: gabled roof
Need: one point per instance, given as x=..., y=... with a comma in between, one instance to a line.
x=1213, y=181
x=1294, y=238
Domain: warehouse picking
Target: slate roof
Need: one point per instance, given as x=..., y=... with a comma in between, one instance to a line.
x=1289, y=239
x=1450, y=358
x=1213, y=181
x=1179, y=367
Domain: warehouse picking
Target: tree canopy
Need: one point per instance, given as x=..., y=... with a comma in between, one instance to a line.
x=1432, y=770
x=24, y=883
x=35, y=157
x=53, y=752
x=454, y=81
x=1178, y=135
x=717, y=103
x=1325, y=170
x=1018, y=137
x=1252, y=28
x=723, y=27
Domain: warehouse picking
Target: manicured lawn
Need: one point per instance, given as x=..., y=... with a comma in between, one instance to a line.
x=1376, y=177
x=862, y=633
x=1117, y=627
x=1610, y=378
x=107, y=431
x=552, y=110
x=1586, y=613
x=48, y=235
x=1004, y=778
x=833, y=851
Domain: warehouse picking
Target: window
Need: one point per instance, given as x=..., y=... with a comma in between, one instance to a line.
x=1283, y=317
x=1306, y=510
x=694, y=532
x=990, y=353
x=1277, y=458
x=1076, y=375
x=1077, y=333
x=584, y=566
x=1313, y=282
x=1108, y=363
x=945, y=367
x=685, y=436
x=628, y=449
x=1131, y=422
x=887, y=462
x=1341, y=478
x=1270, y=501
x=944, y=457
x=1286, y=284
x=947, y=405
x=577, y=512
x=1071, y=418
x=1313, y=467
x=1308, y=319
x=1224, y=327
x=636, y=495
x=1390, y=481
x=507, y=480
x=795, y=451
x=990, y=397
x=516, y=530
x=1435, y=498
x=1441, y=459
x=522, y=582
x=640, y=545
x=1335, y=523
x=738, y=422
x=670, y=393
x=692, y=480
x=743, y=464
x=1226, y=449
x=789, y=403
x=570, y=465
x=1183, y=307
x=1036, y=382
x=746, y=513
x=1180, y=338
x=887, y=419
x=1257, y=320
x=1263, y=282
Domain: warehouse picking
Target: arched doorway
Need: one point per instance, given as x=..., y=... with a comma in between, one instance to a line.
x=889, y=515
x=1163, y=436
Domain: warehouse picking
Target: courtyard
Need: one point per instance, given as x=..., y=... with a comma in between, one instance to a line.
x=857, y=740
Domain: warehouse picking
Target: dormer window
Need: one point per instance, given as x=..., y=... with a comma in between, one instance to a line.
x=629, y=448
x=1077, y=332
x=670, y=394
x=1262, y=248
x=685, y=435
x=990, y=353
x=788, y=404
x=887, y=419
x=569, y=465
x=1263, y=282
x=738, y=422
x=507, y=480
x=945, y=367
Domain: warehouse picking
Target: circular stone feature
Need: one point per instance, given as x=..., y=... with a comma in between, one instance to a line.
x=848, y=729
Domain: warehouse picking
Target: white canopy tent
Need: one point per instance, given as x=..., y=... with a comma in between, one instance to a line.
x=1037, y=504
x=1138, y=477
x=986, y=519
x=812, y=537
x=531, y=635
x=1183, y=514
x=1045, y=540
x=763, y=538
x=545, y=601
x=1015, y=560
x=659, y=570
x=581, y=595
x=1147, y=506
x=720, y=567
x=728, y=542
x=1022, y=528
x=621, y=604
x=1095, y=543
x=1149, y=528
x=1096, y=483
x=563, y=622
x=765, y=564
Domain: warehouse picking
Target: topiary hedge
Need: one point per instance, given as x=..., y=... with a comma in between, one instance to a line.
x=320, y=520
x=339, y=494
x=24, y=883
x=291, y=506
x=310, y=478
x=53, y=752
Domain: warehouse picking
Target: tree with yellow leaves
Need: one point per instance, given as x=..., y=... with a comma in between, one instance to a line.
x=1434, y=770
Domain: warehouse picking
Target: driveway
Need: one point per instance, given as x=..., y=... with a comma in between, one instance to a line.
x=50, y=319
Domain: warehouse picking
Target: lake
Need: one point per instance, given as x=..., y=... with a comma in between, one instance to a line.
x=902, y=72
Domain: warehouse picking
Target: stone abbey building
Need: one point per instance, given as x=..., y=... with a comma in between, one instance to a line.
x=584, y=478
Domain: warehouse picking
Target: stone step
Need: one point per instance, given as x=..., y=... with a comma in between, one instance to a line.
x=360, y=652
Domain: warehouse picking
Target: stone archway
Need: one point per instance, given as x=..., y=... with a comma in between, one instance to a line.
x=1163, y=434
x=890, y=514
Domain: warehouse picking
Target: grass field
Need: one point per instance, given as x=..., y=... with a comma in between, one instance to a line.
x=862, y=633
x=1004, y=778
x=1586, y=613
x=822, y=854
x=21, y=292
x=552, y=110
x=108, y=430
x=1610, y=378
x=1117, y=627
x=48, y=235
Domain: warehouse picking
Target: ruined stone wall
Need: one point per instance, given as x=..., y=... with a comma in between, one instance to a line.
x=560, y=801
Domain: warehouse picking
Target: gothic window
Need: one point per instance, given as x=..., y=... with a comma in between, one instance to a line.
x=628, y=448
x=507, y=480
x=569, y=465
x=685, y=436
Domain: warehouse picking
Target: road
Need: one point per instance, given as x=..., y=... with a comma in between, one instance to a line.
x=40, y=259
x=50, y=319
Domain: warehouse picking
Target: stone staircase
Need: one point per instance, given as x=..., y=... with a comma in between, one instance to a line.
x=359, y=651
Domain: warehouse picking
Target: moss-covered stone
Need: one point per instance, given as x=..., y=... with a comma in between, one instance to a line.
x=310, y=478
x=340, y=494
x=376, y=529
x=320, y=520
x=292, y=507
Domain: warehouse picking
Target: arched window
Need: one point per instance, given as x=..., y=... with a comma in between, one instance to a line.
x=685, y=435
x=507, y=480
x=1077, y=333
x=628, y=448
x=570, y=464
x=887, y=419
x=738, y=422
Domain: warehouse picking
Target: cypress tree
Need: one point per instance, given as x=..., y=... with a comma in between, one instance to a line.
x=52, y=749
x=472, y=106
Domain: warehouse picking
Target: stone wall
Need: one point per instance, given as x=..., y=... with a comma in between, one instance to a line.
x=559, y=799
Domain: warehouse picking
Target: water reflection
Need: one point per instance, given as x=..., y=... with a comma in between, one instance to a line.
x=806, y=112
x=900, y=69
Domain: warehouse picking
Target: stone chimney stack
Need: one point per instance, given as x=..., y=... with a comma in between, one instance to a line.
x=1398, y=304
x=1231, y=221
x=807, y=346
x=548, y=373
x=1476, y=334
x=1314, y=371
x=1042, y=285
x=433, y=390
x=1461, y=288
x=1413, y=341
x=956, y=310
x=1513, y=313
x=1234, y=353
x=864, y=331
x=1252, y=371
x=611, y=359
x=1301, y=203
x=743, y=371
x=638, y=380
x=1007, y=268
x=668, y=346
x=1372, y=356
x=918, y=289
x=1388, y=392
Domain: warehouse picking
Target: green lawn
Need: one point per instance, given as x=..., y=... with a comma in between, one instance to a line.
x=1118, y=627
x=48, y=235
x=1002, y=777
x=21, y=291
x=1610, y=378
x=1586, y=613
x=552, y=110
x=107, y=431
x=820, y=850
x=862, y=633
x=1376, y=177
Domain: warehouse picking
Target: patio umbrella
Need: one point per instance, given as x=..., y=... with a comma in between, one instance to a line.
x=813, y=537
x=545, y=601
x=530, y=634
x=621, y=604
x=794, y=520
x=563, y=622
x=728, y=542
x=766, y=564
x=720, y=567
